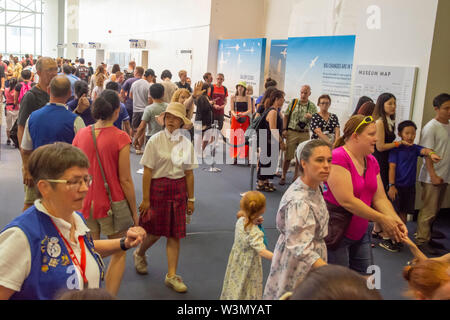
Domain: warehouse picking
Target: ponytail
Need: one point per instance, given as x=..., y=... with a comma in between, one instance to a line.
x=251, y=205
x=339, y=142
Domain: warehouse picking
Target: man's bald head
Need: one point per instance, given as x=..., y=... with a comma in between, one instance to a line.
x=60, y=87
x=305, y=92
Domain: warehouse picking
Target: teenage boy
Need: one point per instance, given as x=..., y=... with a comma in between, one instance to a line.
x=434, y=179
x=403, y=169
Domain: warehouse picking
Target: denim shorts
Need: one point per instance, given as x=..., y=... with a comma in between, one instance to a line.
x=354, y=254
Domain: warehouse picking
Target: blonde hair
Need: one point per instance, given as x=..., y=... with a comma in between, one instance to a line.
x=251, y=205
x=426, y=276
x=100, y=80
x=176, y=95
x=182, y=72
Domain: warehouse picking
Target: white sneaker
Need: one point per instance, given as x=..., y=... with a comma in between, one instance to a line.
x=176, y=283
x=140, y=171
x=140, y=263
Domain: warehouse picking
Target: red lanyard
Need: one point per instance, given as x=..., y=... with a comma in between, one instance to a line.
x=81, y=267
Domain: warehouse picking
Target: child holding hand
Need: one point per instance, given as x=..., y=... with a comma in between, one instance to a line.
x=403, y=169
x=243, y=278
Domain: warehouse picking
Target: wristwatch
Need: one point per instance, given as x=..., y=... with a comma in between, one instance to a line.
x=122, y=244
x=391, y=185
x=191, y=199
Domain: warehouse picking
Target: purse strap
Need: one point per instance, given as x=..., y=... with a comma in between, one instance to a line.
x=108, y=191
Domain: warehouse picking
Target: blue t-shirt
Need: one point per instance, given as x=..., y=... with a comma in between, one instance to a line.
x=405, y=159
x=72, y=80
x=123, y=116
x=86, y=115
x=126, y=87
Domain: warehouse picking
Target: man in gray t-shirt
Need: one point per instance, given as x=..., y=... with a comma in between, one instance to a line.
x=140, y=94
x=150, y=113
x=434, y=177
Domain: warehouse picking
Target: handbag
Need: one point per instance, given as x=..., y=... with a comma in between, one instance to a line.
x=254, y=125
x=337, y=225
x=119, y=210
x=241, y=119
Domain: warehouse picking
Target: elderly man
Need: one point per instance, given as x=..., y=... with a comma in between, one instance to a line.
x=51, y=123
x=296, y=123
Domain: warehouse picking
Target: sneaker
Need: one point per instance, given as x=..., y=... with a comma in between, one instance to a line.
x=176, y=283
x=140, y=171
x=140, y=263
x=389, y=245
x=8, y=142
x=139, y=151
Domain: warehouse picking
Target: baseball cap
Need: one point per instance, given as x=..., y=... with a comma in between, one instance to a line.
x=149, y=72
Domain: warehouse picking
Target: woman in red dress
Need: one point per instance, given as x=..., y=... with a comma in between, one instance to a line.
x=241, y=110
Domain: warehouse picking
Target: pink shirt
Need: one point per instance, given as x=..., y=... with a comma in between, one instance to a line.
x=9, y=95
x=364, y=188
x=110, y=141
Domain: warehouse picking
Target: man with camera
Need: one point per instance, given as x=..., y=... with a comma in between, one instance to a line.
x=296, y=126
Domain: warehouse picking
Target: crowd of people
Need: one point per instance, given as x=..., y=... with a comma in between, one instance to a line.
x=75, y=129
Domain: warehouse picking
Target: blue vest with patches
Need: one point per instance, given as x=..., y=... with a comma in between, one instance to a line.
x=50, y=124
x=51, y=269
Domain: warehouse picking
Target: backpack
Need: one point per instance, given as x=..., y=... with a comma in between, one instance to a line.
x=212, y=91
x=127, y=75
x=255, y=124
x=25, y=87
x=83, y=73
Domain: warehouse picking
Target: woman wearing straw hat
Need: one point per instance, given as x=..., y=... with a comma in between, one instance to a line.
x=241, y=108
x=168, y=190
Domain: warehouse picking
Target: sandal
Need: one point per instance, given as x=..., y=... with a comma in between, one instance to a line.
x=269, y=187
x=261, y=187
x=376, y=235
x=282, y=182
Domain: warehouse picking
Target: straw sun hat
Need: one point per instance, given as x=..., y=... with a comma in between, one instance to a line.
x=177, y=109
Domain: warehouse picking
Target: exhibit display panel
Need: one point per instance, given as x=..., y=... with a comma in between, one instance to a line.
x=242, y=60
x=277, y=64
x=373, y=80
x=324, y=63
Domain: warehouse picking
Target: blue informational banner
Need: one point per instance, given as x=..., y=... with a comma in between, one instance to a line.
x=324, y=63
x=277, y=62
x=242, y=60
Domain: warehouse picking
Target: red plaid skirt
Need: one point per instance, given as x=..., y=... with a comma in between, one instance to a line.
x=168, y=205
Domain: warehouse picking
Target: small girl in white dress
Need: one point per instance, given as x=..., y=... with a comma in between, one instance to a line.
x=243, y=278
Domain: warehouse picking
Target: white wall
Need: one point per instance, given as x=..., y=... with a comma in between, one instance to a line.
x=167, y=26
x=404, y=39
x=233, y=19
x=50, y=28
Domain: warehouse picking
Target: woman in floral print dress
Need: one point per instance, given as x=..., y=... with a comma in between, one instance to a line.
x=302, y=220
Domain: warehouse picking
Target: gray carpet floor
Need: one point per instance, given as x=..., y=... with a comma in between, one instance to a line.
x=204, y=252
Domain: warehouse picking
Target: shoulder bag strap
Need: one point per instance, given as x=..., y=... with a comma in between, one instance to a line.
x=100, y=164
x=294, y=104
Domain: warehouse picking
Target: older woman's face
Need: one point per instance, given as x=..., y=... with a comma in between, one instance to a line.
x=172, y=122
x=324, y=104
x=183, y=97
x=319, y=164
x=69, y=195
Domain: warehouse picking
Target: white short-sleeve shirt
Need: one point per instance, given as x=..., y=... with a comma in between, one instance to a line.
x=169, y=155
x=436, y=136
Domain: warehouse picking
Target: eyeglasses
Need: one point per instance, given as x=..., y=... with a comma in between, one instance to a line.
x=366, y=120
x=75, y=185
x=325, y=103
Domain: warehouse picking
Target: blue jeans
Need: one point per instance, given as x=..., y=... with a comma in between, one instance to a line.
x=354, y=254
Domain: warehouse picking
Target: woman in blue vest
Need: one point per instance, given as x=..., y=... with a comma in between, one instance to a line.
x=48, y=249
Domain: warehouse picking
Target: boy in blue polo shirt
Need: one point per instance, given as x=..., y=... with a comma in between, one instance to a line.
x=403, y=169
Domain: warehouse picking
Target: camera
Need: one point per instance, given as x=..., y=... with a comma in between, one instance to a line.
x=302, y=124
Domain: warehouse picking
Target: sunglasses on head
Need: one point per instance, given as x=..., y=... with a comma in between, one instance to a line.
x=366, y=120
